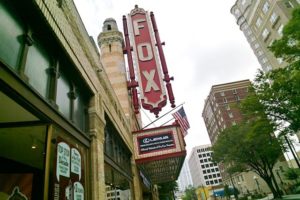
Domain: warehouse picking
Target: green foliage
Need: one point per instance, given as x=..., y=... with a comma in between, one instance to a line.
x=251, y=144
x=190, y=193
x=292, y=174
x=279, y=89
x=288, y=47
x=279, y=92
x=166, y=190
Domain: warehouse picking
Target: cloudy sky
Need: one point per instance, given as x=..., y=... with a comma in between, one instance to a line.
x=204, y=47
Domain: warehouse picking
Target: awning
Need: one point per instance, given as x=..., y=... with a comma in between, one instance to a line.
x=160, y=152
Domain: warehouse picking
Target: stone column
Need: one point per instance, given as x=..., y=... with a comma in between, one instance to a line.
x=96, y=130
x=138, y=193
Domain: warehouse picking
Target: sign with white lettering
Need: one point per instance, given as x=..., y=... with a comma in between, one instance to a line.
x=63, y=160
x=76, y=162
x=150, y=143
x=153, y=95
x=78, y=191
x=69, y=172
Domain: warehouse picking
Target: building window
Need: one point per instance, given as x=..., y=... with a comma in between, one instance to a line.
x=264, y=60
x=258, y=22
x=289, y=4
x=265, y=34
x=204, y=171
x=225, y=100
x=279, y=60
x=260, y=52
x=274, y=17
x=266, y=8
x=222, y=94
x=280, y=29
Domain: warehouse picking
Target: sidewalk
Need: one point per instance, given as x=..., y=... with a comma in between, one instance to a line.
x=291, y=197
x=285, y=197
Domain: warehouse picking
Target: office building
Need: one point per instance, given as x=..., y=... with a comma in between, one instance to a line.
x=203, y=171
x=262, y=22
x=220, y=110
x=185, y=179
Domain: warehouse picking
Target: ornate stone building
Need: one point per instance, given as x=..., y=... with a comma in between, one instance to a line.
x=66, y=118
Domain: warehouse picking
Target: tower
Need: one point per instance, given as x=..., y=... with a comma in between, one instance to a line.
x=110, y=41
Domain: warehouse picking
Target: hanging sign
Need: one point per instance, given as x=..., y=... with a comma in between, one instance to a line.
x=152, y=92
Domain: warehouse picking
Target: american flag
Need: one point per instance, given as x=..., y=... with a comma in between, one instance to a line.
x=180, y=116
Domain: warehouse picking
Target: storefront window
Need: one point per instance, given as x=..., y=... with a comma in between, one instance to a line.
x=11, y=36
x=68, y=158
x=117, y=186
x=22, y=153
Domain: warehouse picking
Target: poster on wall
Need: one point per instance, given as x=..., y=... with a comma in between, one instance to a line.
x=16, y=186
x=69, y=180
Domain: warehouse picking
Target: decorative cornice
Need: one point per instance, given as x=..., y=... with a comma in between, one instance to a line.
x=110, y=37
x=137, y=10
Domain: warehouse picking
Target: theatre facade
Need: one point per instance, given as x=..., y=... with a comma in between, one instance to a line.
x=68, y=126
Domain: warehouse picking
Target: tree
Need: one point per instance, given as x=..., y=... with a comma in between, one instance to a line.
x=288, y=47
x=279, y=89
x=251, y=144
x=190, y=193
x=167, y=189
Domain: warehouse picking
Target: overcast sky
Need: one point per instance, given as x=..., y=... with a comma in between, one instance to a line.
x=204, y=47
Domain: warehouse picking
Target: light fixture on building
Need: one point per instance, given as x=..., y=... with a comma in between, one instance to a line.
x=34, y=143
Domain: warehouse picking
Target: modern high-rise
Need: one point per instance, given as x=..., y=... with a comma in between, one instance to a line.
x=220, y=110
x=185, y=178
x=262, y=22
x=204, y=172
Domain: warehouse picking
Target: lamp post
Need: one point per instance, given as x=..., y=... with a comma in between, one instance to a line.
x=256, y=181
x=281, y=182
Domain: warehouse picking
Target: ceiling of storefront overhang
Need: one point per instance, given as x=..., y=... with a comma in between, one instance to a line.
x=19, y=131
x=164, y=170
x=10, y=111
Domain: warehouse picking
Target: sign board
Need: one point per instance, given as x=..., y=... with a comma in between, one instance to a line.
x=150, y=143
x=152, y=94
x=158, y=142
x=69, y=180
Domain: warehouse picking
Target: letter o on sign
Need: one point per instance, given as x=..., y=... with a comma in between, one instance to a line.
x=149, y=55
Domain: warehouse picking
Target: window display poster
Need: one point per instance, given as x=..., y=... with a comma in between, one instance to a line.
x=16, y=186
x=68, y=180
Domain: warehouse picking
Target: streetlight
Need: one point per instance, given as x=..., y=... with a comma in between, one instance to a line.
x=255, y=179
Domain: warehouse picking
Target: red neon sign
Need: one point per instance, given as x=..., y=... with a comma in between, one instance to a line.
x=152, y=94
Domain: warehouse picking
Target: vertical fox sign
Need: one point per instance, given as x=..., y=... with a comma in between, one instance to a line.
x=145, y=53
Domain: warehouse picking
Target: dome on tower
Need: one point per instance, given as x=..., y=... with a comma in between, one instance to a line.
x=110, y=24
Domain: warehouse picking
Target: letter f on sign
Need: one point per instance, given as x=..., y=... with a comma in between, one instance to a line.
x=136, y=26
x=150, y=81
